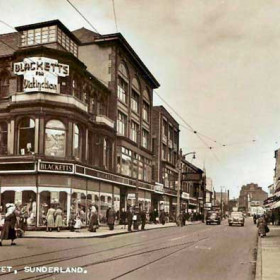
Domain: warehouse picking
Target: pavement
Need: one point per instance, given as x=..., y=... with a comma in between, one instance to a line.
x=103, y=231
x=268, y=255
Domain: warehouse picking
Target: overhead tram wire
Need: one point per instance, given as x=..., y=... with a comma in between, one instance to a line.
x=115, y=16
x=83, y=17
x=189, y=126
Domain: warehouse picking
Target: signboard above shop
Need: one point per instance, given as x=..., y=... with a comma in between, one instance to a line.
x=41, y=73
x=185, y=195
x=158, y=188
x=191, y=176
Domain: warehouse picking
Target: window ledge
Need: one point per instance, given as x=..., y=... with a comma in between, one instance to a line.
x=66, y=99
x=105, y=120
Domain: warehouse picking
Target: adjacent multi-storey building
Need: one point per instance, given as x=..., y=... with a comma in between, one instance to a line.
x=165, y=132
x=115, y=63
x=192, y=187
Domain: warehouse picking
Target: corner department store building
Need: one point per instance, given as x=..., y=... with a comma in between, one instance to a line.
x=66, y=136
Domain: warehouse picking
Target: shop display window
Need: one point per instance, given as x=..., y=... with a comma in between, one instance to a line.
x=7, y=197
x=3, y=138
x=55, y=137
x=26, y=136
x=77, y=147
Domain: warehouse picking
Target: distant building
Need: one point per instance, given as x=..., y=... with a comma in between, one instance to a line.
x=233, y=203
x=251, y=195
x=222, y=198
x=209, y=190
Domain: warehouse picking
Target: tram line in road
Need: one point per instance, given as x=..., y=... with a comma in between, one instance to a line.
x=129, y=255
x=142, y=251
x=81, y=247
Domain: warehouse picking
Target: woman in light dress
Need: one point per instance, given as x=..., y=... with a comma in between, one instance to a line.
x=50, y=218
x=58, y=218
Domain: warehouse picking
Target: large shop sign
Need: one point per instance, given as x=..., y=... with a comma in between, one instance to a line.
x=41, y=73
x=185, y=195
x=55, y=167
x=158, y=188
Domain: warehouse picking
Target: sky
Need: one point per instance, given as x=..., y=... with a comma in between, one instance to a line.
x=218, y=64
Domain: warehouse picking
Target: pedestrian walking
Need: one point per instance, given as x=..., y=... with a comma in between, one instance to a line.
x=162, y=217
x=8, y=232
x=155, y=216
x=272, y=218
x=111, y=216
x=93, y=221
x=129, y=219
x=123, y=218
x=78, y=223
x=50, y=218
x=262, y=226
x=58, y=218
x=143, y=219
x=183, y=218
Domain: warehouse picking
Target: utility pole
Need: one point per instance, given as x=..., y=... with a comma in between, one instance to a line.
x=179, y=166
x=222, y=202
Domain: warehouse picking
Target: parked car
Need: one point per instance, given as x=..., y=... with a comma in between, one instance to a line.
x=236, y=218
x=213, y=217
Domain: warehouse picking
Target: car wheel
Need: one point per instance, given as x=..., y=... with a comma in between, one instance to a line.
x=230, y=225
x=242, y=225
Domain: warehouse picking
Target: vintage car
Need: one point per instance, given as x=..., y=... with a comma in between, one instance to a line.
x=236, y=218
x=213, y=217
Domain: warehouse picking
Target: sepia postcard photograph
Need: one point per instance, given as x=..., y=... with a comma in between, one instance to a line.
x=139, y=140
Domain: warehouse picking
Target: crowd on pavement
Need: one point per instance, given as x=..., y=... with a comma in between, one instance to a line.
x=135, y=218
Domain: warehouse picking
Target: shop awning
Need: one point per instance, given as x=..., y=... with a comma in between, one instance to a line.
x=275, y=205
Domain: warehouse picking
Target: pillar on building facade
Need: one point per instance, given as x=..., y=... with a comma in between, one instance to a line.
x=68, y=207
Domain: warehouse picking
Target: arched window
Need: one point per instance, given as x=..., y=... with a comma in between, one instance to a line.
x=55, y=138
x=26, y=136
x=77, y=147
x=122, y=83
x=4, y=83
x=3, y=138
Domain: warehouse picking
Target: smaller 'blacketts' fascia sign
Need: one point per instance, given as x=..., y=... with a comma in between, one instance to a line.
x=40, y=73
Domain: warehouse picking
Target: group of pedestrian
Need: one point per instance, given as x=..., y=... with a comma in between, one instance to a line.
x=54, y=218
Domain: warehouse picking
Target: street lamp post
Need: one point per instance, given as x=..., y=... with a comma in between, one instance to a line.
x=179, y=166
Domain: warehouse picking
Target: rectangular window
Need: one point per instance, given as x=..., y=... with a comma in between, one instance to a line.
x=165, y=177
x=38, y=36
x=163, y=152
x=135, y=102
x=145, y=113
x=170, y=133
x=122, y=90
x=170, y=155
x=140, y=169
x=126, y=165
x=134, y=131
x=145, y=138
x=164, y=128
x=122, y=124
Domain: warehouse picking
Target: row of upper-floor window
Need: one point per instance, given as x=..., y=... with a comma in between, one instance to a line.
x=55, y=141
x=133, y=132
x=71, y=85
x=132, y=164
x=169, y=154
x=131, y=94
x=48, y=34
x=168, y=132
x=169, y=178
